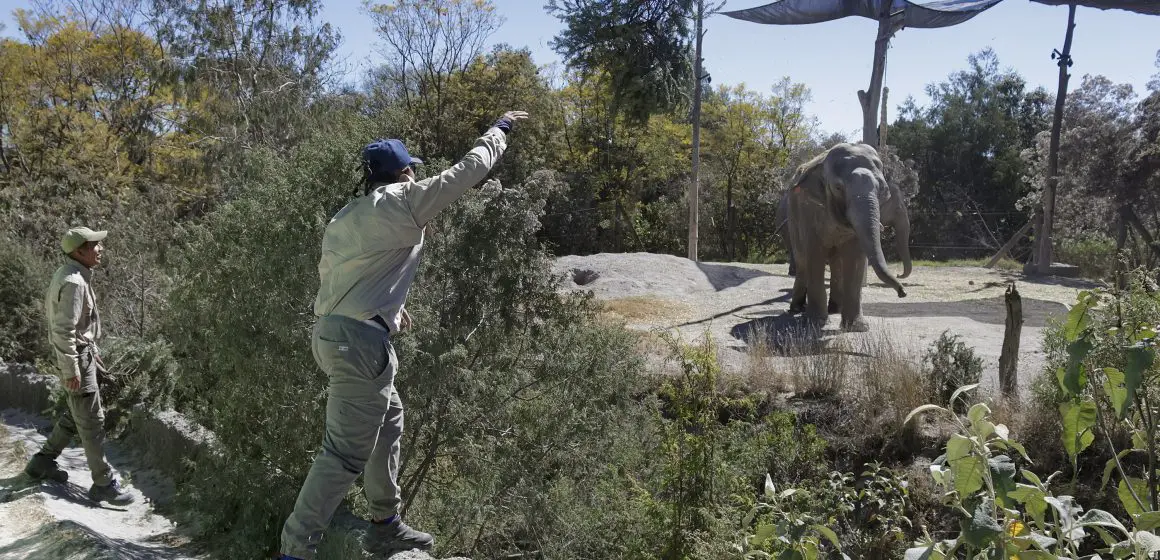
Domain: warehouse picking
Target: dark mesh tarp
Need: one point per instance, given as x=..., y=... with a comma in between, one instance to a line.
x=1138, y=6
x=942, y=13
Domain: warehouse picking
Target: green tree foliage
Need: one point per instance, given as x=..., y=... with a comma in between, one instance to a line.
x=966, y=146
x=642, y=45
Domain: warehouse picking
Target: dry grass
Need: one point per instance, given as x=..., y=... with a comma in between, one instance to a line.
x=642, y=308
x=892, y=383
x=819, y=372
x=761, y=369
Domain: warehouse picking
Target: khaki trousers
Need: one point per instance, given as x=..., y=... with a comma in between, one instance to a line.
x=85, y=418
x=364, y=423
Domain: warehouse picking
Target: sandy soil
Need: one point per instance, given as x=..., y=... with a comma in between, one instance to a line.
x=53, y=520
x=738, y=304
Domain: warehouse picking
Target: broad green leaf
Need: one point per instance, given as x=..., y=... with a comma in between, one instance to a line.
x=1139, y=443
x=1147, y=521
x=961, y=390
x=763, y=533
x=1067, y=511
x=966, y=467
x=920, y=410
x=1031, y=477
x=1033, y=499
x=920, y=553
x=1139, y=359
x=1077, y=317
x=1074, y=377
x=1130, y=504
x=1101, y=518
x=1110, y=466
x=1078, y=421
x=1003, y=477
x=829, y=534
x=1146, y=542
x=981, y=528
x=1117, y=392
x=1035, y=555
x=977, y=412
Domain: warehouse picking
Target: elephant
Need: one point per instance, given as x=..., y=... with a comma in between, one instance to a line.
x=893, y=213
x=834, y=213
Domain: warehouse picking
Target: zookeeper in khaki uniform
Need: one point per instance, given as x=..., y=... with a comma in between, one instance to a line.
x=370, y=252
x=74, y=327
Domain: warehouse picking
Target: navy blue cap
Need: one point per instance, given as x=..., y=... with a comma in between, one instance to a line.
x=388, y=156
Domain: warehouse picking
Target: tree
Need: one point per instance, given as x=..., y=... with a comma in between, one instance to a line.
x=642, y=46
x=966, y=146
x=429, y=42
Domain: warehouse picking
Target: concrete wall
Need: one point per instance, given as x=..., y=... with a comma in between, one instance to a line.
x=165, y=439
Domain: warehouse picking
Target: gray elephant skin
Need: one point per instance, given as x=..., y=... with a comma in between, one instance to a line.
x=834, y=211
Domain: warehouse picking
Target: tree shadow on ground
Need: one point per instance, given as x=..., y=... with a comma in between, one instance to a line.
x=1036, y=312
x=723, y=276
x=787, y=335
x=64, y=539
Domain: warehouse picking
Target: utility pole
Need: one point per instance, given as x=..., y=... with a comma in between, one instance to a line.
x=695, y=185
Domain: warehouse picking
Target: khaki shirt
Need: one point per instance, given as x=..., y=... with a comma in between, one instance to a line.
x=371, y=248
x=73, y=320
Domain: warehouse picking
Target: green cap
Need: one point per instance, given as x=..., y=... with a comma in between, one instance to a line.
x=77, y=236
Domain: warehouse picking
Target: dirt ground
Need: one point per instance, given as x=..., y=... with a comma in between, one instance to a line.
x=739, y=304
x=57, y=521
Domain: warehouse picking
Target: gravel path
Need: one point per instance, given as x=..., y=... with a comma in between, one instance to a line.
x=734, y=302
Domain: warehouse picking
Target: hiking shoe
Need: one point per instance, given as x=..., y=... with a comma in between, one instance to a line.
x=43, y=468
x=112, y=493
x=392, y=535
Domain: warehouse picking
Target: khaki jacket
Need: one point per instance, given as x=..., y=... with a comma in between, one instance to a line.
x=71, y=309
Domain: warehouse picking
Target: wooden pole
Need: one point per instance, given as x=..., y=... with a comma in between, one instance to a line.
x=1009, y=358
x=1044, y=236
x=1010, y=244
x=695, y=186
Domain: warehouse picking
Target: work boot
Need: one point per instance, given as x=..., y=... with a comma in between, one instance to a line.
x=392, y=535
x=43, y=468
x=112, y=493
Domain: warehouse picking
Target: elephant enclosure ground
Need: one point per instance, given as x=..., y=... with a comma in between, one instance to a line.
x=743, y=307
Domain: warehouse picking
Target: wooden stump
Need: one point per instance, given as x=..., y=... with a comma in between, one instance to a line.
x=1009, y=358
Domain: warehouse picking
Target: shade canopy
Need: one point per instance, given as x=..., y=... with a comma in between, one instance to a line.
x=1138, y=6
x=903, y=13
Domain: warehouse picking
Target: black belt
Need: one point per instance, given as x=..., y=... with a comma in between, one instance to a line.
x=380, y=321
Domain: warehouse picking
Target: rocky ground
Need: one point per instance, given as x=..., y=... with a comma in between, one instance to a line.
x=740, y=305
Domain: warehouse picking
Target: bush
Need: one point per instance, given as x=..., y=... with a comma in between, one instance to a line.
x=1093, y=253
x=523, y=432
x=140, y=373
x=24, y=277
x=951, y=364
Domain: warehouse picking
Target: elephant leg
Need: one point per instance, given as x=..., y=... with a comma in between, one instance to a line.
x=797, y=300
x=852, y=263
x=835, y=283
x=792, y=263
x=813, y=268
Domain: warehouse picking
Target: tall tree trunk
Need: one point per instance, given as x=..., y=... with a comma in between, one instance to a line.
x=882, y=125
x=872, y=99
x=1044, y=237
x=695, y=185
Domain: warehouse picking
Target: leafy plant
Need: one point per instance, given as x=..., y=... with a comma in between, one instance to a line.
x=951, y=364
x=1006, y=511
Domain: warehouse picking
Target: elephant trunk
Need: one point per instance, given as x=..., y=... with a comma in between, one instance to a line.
x=902, y=241
x=865, y=217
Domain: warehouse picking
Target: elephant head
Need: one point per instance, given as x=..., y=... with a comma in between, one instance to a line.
x=856, y=190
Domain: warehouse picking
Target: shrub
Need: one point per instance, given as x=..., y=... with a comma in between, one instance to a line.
x=140, y=373
x=951, y=364
x=1093, y=253
x=819, y=372
x=23, y=279
x=514, y=393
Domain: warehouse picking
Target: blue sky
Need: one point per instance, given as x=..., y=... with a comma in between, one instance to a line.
x=834, y=58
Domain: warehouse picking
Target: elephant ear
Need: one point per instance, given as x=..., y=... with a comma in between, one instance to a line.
x=808, y=181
